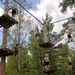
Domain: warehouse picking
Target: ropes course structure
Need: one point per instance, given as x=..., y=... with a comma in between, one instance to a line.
x=9, y=22
x=37, y=18
x=72, y=17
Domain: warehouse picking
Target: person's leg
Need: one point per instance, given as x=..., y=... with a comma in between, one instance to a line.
x=69, y=38
x=13, y=13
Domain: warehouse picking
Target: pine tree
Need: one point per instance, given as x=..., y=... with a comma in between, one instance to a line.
x=67, y=3
x=18, y=37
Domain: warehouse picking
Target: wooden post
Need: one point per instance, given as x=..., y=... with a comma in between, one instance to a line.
x=4, y=43
x=19, y=73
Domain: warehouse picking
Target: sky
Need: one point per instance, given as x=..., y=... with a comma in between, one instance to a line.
x=34, y=3
x=1, y=12
x=41, y=7
x=52, y=8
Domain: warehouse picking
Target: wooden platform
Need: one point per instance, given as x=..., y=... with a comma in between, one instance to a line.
x=6, y=52
x=46, y=45
x=46, y=51
x=7, y=21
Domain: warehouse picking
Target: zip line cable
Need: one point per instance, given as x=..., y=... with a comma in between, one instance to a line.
x=35, y=17
x=60, y=20
x=38, y=19
x=28, y=11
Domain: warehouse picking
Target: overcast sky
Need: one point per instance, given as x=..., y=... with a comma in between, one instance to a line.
x=52, y=8
x=41, y=7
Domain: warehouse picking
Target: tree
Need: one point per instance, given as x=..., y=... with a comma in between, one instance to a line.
x=67, y=3
x=18, y=33
x=53, y=37
x=60, y=59
x=36, y=52
x=20, y=30
x=11, y=66
x=1, y=0
x=25, y=63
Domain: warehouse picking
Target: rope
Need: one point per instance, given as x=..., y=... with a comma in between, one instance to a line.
x=28, y=12
x=36, y=18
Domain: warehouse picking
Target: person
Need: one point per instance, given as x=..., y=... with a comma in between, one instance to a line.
x=46, y=64
x=14, y=11
x=69, y=60
x=69, y=63
x=46, y=68
x=16, y=49
x=69, y=36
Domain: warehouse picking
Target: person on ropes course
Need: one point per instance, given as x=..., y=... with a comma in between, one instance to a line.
x=46, y=64
x=14, y=11
x=69, y=35
x=69, y=63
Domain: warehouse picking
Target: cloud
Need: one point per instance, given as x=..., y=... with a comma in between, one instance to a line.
x=1, y=11
x=52, y=8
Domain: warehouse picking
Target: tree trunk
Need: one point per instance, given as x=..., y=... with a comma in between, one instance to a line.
x=4, y=43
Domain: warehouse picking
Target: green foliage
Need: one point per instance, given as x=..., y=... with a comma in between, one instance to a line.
x=31, y=64
x=11, y=66
x=61, y=60
x=53, y=37
x=18, y=35
x=36, y=51
x=19, y=32
x=25, y=63
x=67, y=3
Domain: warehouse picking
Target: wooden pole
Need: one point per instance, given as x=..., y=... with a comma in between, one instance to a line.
x=19, y=61
x=4, y=42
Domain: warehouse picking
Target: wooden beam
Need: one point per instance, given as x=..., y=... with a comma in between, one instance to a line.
x=6, y=52
x=7, y=21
